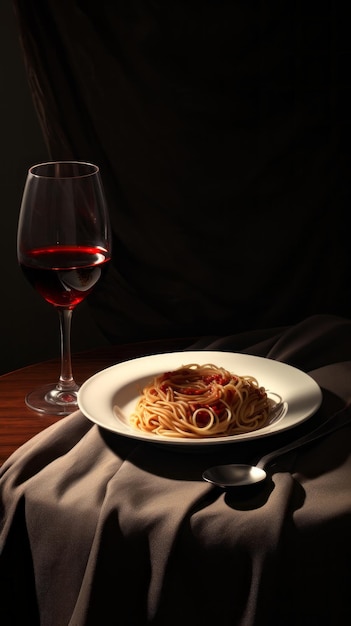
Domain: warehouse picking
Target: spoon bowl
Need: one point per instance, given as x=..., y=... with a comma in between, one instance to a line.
x=242, y=475
x=238, y=475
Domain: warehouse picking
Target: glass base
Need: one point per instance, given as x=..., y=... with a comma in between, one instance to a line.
x=51, y=400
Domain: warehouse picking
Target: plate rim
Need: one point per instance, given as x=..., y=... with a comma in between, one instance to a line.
x=275, y=428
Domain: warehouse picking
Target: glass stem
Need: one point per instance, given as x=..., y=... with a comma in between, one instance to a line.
x=66, y=380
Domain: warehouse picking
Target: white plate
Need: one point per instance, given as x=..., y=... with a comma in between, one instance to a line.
x=121, y=386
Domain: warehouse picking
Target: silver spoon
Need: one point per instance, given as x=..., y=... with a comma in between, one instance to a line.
x=240, y=475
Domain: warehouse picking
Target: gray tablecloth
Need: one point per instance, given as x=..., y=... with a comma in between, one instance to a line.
x=101, y=530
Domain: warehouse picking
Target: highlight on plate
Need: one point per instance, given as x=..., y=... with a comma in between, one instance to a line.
x=195, y=401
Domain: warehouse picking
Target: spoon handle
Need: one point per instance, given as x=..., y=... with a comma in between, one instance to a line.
x=333, y=423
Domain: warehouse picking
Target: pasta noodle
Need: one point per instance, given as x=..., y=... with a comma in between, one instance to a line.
x=201, y=401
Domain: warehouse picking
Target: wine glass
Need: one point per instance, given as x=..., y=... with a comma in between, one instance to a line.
x=63, y=246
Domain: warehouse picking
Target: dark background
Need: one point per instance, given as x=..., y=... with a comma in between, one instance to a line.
x=251, y=125
x=29, y=329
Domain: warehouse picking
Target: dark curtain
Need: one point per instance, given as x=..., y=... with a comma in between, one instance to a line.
x=222, y=130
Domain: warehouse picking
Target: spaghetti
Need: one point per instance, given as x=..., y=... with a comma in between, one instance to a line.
x=201, y=401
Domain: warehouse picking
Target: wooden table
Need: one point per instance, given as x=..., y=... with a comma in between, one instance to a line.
x=18, y=423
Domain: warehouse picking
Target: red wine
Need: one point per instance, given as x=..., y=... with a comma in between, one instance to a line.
x=64, y=275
